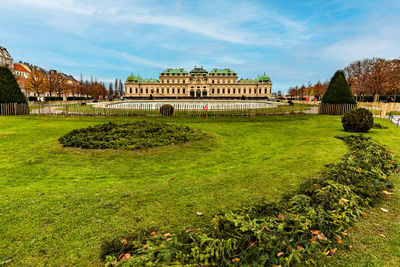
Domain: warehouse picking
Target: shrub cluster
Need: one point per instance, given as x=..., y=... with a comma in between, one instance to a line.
x=135, y=135
x=358, y=120
x=312, y=221
x=167, y=110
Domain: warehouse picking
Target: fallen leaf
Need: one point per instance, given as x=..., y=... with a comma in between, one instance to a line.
x=363, y=214
x=235, y=260
x=124, y=256
x=350, y=247
x=384, y=210
x=334, y=251
x=321, y=236
x=153, y=234
x=144, y=246
x=344, y=200
x=327, y=253
x=280, y=254
x=387, y=193
x=339, y=240
x=124, y=241
x=344, y=233
x=252, y=243
x=189, y=230
x=199, y=213
x=382, y=235
x=172, y=178
x=281, y=216
x=266, y=228
x=312, y=239
x=166, y=235
x=315, y=232
x=169, y=239
x=300, y=248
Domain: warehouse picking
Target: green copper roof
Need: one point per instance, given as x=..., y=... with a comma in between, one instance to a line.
x=133, y=78
x=263, y=78
x=174, y=71
x=247, y=81
x=151, y=80
x=222, y=71
x=198, y=71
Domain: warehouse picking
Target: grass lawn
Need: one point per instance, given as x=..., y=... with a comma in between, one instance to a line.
x=58, y=204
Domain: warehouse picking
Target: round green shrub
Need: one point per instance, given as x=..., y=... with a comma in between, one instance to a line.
x=358, y=120
x=167, y=110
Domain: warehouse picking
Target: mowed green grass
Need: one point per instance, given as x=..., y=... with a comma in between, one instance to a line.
x=58, y=205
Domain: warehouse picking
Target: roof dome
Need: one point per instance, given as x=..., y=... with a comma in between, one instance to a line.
x=133, y=78
x=263, y=78
x=198, y=71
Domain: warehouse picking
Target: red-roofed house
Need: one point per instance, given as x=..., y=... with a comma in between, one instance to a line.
x=21, y=73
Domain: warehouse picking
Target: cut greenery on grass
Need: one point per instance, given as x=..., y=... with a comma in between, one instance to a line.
x=316, y=219
x=59, y=205
x=135, y=135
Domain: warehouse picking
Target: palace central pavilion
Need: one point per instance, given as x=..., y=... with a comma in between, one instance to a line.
x=198, y=83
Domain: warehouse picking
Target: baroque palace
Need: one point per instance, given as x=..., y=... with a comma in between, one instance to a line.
x=198, y=83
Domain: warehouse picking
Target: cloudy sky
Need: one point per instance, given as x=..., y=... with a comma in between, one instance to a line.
x=292, y=41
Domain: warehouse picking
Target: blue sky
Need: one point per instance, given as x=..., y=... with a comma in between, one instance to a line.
x=292, y=41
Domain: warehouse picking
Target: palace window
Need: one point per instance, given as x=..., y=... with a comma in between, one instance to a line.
x=239, y=91
x=147, y=91
x=158, y=90
x=162, y=90
x=183, y=90
x=259, y=91
x=136, y=90
x=130, y=90
x=229, y=91
x=234, y=91
x=213, y=90
x=223, y=90
x=178, y=91
x=141, y=90
x=183, y=81
x=255, y=91
x=218, y=91
x=244, y=90
x=265, y=90
x=173, y=90
x=167, y=90
x=212, y=81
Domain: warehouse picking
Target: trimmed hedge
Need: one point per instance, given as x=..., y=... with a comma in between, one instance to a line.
x=358, y=120
x=338, y=91
x=135, y=135
x=9, y=88
x=310, y=222
x=167, y=110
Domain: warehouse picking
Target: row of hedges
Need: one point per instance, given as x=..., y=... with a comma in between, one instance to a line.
x=311, y=222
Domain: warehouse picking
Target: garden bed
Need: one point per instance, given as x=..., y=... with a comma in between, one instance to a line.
x=135, y=135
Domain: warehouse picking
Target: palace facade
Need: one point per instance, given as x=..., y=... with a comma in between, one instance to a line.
x=198, y=83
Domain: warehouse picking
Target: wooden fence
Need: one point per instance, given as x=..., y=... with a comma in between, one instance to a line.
x=13, y=109
x=335, y=109
x=153, y=109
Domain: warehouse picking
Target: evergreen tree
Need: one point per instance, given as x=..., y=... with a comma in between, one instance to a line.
x=116, y=86
x=9, y=89
x=110, y=90
x=338, y=91
x=121, y=88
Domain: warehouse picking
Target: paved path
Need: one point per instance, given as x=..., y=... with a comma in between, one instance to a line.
x=395, y=119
